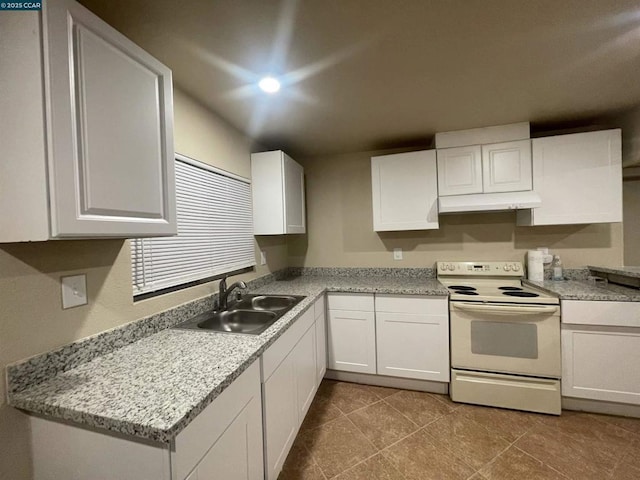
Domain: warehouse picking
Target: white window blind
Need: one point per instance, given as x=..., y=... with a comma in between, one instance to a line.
x=215, y=232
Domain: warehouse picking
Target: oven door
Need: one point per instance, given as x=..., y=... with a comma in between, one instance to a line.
x=507, y=338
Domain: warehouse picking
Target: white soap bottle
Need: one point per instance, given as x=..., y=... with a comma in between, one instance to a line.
x=556, y=267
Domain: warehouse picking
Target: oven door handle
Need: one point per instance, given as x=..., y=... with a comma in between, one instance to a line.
x=505, y=309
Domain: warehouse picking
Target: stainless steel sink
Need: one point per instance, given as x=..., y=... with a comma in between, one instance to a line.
x=252, y=314
x=267, y=302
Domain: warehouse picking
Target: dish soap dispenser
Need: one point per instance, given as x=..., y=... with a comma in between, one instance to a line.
x=556, y=267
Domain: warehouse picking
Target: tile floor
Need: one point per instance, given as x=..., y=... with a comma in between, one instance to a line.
x=355, y=432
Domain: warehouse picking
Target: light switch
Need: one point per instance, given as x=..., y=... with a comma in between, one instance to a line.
x=397, y=254
x=263, y=257
x=74, y=290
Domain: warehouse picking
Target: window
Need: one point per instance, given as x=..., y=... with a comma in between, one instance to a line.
x=215, y=231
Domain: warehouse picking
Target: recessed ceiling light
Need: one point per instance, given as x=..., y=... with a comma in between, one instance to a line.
x=269, y=84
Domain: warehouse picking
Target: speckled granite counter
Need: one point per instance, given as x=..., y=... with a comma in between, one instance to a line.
x=152, y=388
x=584, y=290
x=622, y=271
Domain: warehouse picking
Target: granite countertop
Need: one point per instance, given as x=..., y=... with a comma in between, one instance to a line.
x=154, y=387
x=585, y=290
x=633, y=272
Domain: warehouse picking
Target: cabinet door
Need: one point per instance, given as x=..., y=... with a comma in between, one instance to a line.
x=459, y=170
x=578, y=177
x=601, y=363
x=506, y=167
x=352, y=341
x=110, y=128
x=412, y=335
x=304, y=361
x=321, y=340
x=293, y=196
x=234, y=455
x=405, y=191
x=280, y=416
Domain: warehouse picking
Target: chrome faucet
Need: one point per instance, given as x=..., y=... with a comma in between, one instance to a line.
x=223, y=291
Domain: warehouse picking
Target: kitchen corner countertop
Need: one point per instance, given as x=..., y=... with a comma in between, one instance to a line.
x=154, y=387
x=585, y=290
x=633, y=272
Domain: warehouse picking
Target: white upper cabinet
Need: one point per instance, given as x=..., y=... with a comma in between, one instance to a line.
x=493, y=168
x=578, y=177
x=405, y=191
x=88, y=147
x=278, y=194
x=460, y=170
x=506, y=167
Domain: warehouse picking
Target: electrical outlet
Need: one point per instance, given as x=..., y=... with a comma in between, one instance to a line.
x=263, y=257
x=74, y=290
x=397, y=254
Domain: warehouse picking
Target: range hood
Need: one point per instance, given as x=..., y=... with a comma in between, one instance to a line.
x=485, y=202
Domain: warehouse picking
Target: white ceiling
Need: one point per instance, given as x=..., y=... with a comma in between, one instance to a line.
x=368, y=74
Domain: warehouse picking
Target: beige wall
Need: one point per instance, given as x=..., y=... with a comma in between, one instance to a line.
x=340, y=228
x=31, y=317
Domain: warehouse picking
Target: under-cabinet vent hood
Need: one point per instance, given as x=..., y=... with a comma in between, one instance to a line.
x=485, y=202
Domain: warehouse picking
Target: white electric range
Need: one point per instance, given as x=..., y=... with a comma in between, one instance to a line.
x=505, y=337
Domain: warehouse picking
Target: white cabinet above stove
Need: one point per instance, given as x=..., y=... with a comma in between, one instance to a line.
x=485, y=169
x=499, y=167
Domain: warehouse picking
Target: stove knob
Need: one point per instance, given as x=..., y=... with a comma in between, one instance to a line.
x=507, y=268
x=515, y=267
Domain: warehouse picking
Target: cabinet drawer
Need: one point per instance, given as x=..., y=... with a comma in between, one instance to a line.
x=614, y=314
x=414, y=304
x=319, y=307
x=351, y=301
x=277, y=352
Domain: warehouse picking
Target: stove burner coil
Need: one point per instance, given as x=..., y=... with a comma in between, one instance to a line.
x=521, y=294
x=465, y=292
x=462, y=287
x=511, y=289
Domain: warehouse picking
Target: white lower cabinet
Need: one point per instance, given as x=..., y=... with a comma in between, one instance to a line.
x=601, y=351
x=223, y=441
x=395, y=335
x=321, y=338
x=413, y=336
x=289, y=385
x=352, y=332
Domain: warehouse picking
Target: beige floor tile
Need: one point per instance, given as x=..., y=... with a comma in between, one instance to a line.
x=509, y=424
x=300, y=465
x=624, y=471
x=630, y=424
x=447, y=400
x=632, y=455
x=320, y=412
x=574, y=458
x=382, y=424
x=421, y=408
x=514, y=464
x=348, y=397
x=603, y=441
x=383, y=392
x=467, y=439
x=375, y=468
x=337, y=446
x=418, y=457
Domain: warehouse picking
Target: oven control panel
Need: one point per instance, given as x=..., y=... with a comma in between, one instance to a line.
x=502, y=269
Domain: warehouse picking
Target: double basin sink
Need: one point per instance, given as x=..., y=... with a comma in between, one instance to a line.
x=252, y=314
